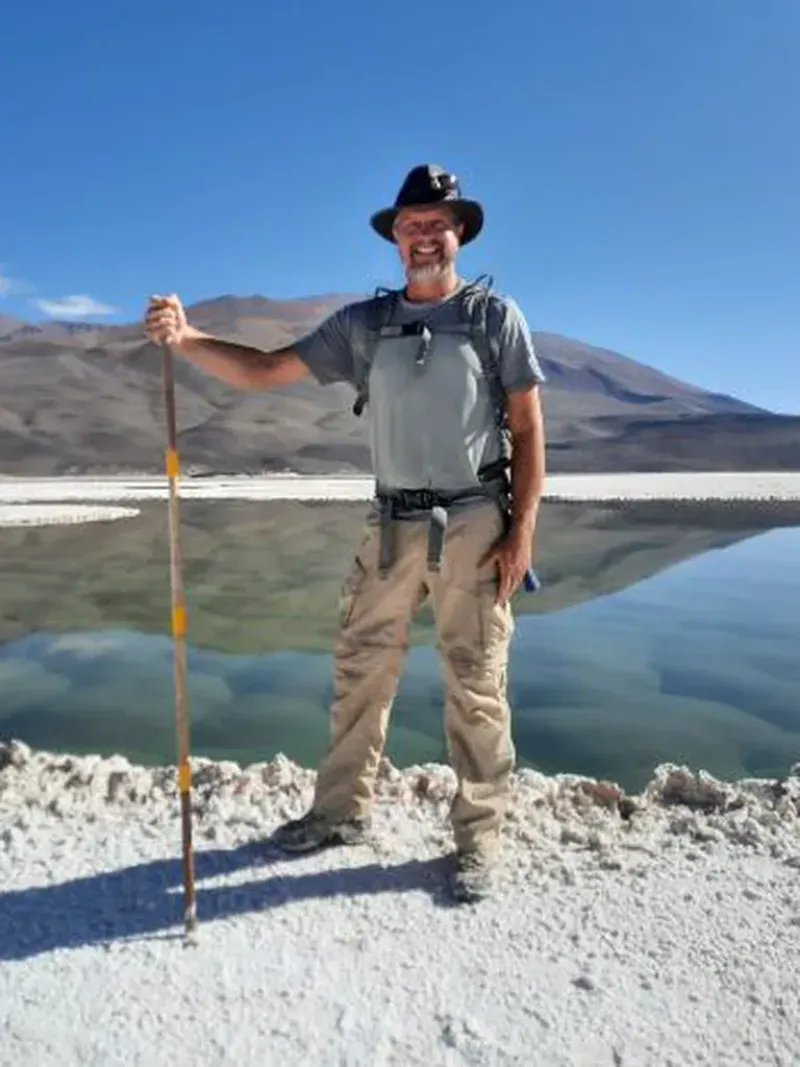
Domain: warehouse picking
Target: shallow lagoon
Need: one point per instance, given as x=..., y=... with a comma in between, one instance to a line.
x=662, y=633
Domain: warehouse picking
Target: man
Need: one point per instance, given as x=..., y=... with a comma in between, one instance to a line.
x=446, y=524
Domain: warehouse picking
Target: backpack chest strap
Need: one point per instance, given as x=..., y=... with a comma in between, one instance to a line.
x=415, y=329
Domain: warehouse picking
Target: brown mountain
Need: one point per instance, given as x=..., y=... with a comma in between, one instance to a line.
x=78, y=397
x=9, y=326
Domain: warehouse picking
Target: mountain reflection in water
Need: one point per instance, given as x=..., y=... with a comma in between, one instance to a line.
x=661, y=633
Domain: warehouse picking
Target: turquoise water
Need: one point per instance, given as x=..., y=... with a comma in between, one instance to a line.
x=659, y=635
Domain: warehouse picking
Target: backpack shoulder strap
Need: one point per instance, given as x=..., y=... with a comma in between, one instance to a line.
x=378, y=313
x=483, y=307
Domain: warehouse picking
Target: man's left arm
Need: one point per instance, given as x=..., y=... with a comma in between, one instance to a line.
x=526, y=424
x=521, y=376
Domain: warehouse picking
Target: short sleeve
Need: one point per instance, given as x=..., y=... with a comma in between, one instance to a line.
x=519, y=364
x=327, y=350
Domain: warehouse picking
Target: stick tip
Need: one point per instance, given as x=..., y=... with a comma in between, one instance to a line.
x=190, y=922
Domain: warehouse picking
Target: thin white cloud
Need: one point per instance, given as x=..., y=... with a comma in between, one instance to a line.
x=79, y=306
x=7, y=284
x=10, y=285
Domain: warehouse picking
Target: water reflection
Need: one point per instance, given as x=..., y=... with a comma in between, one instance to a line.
x=655, y=637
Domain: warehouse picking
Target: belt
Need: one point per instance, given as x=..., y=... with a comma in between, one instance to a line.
x=402, y=503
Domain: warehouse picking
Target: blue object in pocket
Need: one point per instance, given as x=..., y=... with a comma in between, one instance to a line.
x=532, y=583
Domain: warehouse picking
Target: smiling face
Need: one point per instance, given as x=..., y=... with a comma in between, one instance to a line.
x=427, y=240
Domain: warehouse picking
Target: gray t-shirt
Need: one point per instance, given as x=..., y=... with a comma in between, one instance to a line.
x=431, y=425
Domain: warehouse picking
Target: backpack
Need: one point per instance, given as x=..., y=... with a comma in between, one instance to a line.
x=477, y=300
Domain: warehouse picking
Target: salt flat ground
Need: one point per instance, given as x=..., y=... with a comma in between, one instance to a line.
x=691, y=485
x=661, y=933
x=30, y=501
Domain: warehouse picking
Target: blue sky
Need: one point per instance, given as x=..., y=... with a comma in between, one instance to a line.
x=639, y=162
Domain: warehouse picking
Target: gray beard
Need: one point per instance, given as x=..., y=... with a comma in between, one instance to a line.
x=430, y=272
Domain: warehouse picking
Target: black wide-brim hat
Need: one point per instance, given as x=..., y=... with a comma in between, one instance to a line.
x=429, y=186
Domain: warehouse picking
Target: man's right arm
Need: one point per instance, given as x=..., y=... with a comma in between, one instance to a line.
x=325, y=352
x=241, y=366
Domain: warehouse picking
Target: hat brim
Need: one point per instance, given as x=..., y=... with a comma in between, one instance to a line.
x=469, y=212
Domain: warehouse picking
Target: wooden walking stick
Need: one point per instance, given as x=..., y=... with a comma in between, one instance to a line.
x=179, y=645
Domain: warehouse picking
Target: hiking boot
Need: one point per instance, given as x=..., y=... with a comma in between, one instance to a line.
x=472, y=878
x=313, y=831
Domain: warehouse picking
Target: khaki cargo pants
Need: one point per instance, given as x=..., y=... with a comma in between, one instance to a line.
x=473, y=635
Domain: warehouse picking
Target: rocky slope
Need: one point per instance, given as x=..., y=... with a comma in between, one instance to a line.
x=77, y=397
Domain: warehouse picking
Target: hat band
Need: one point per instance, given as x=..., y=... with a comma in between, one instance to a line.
x=422, y=199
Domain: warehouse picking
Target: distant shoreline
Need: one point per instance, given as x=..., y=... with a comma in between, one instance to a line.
x=72, y=499
x=635, y=486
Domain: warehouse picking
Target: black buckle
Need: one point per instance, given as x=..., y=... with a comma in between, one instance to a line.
x=417, y=499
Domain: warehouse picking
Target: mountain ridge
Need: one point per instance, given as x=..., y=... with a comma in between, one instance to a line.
x=87, y=398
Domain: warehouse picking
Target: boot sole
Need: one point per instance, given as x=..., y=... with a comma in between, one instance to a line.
x=334, y=840
x=463, y=895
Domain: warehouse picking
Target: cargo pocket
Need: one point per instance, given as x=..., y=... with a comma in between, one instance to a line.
x=495, y=621
x=349, y=592
x=472, y=629
x=355, y=578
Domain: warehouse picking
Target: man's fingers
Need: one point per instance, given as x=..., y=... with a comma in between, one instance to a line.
x=161, y=325
x=508, y=583
x=510, y=571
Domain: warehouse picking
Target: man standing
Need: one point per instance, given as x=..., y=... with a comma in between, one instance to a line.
x=449, y=374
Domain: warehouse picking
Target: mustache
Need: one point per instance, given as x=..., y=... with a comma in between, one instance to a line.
x=437, y=247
